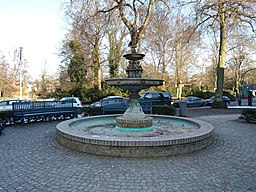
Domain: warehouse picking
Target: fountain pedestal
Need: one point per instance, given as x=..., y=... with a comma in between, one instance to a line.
x=134, y=119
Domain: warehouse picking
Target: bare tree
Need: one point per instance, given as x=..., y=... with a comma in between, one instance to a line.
x=134, y=19
x=7, y=87
x=89, y=29
x=116, y=34
x=223, y=13
x=159, y=38
x=170, y=44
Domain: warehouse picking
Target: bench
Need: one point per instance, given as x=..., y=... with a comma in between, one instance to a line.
x=45, y=109
x=117, y=107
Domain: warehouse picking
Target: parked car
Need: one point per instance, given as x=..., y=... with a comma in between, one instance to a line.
x=118, y=100
x=76, y=101
x=157, y=98
x=212, y=99
x=191, y=102
x=6, y=105
x=48, y=99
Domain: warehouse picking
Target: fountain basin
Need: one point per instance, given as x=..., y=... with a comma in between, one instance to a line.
x=134, y=83
x=85, y=135
x=134, y=56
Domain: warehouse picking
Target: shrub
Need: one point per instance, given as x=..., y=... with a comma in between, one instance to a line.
x=6, y=117
x=203, y=95
x=164, y=110
x=91, y=111
x=5, y=114
x=158, y=109
x=249, y=114
x=219, y=105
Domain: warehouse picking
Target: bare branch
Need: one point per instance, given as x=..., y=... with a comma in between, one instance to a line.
x=196, y=27
x=252, y=69
x=108, y=10
x=145, y=23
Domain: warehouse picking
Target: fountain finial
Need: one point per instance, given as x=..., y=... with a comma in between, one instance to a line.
x=133, y=40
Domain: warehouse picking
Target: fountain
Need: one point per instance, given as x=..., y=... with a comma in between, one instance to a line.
x=134, y=118
x=134, y=134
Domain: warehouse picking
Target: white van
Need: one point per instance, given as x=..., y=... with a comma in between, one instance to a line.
x=75, y=100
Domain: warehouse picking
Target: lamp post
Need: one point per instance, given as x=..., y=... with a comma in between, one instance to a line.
x=20, y=64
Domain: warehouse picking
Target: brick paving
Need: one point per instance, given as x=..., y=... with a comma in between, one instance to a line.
x=32, y=160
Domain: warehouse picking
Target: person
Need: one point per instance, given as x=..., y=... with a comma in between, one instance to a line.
x=239, y=99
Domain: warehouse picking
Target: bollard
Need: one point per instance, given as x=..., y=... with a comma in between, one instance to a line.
x=183, y=109
x=249, y=98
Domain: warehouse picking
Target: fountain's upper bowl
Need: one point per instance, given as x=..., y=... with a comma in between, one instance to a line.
x=134, y=56
x=134, y=84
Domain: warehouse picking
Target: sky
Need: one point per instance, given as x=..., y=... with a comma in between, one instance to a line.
x=38, y=27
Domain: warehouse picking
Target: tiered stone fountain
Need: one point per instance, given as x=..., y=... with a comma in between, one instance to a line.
x=134, y=134
x=134, y=118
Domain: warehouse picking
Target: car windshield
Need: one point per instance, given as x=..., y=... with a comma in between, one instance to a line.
x=166, y=94
x=3, y=103
x=188, y=98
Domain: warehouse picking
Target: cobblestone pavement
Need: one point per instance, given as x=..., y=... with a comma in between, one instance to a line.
x=32, y=160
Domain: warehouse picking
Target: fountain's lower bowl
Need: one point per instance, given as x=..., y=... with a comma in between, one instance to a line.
x=133, y=144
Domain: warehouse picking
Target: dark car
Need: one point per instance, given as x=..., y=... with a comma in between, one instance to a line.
x=191, y=102
x=157, y=98
x=212, y=99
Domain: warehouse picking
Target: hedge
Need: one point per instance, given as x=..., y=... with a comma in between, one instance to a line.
x=249, y=115
x=5, y=115
x=158, y=109
x=164, y=110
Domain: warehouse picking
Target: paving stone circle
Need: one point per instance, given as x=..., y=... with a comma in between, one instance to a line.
x=32, y=160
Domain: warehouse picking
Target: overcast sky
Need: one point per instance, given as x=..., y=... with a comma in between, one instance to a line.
x=35, y=25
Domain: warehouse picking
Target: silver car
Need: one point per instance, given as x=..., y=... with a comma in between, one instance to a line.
x=192, y=102
x=75, y=100
x=118, y=100
x=6, y=105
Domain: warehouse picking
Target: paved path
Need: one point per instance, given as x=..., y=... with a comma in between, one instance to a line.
x=31, y=160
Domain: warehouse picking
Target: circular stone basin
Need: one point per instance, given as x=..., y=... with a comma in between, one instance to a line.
x=169, y=136
x=134, y=83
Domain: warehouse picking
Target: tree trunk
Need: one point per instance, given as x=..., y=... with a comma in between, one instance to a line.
x=177, y=74
x=222, y=56
x=99, y=77
x=238, y=78
x=96, y=67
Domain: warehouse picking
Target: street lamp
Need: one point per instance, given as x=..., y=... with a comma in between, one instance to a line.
x=20, y=64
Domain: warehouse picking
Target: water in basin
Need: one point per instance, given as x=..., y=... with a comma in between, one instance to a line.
x=161, y=126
